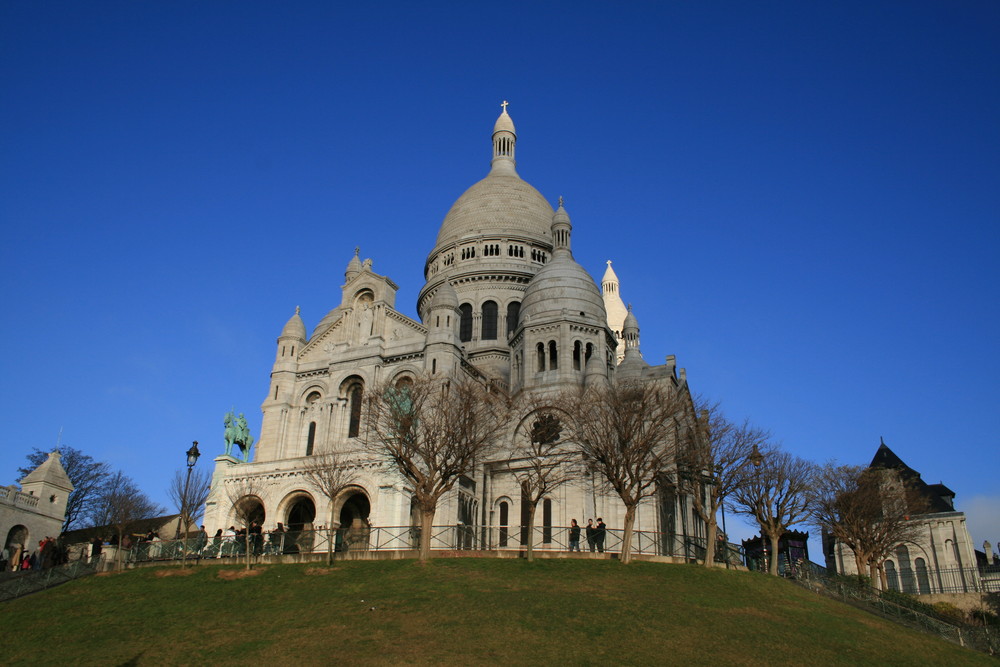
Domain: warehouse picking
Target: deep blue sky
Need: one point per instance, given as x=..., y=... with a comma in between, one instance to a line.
x=801, y=202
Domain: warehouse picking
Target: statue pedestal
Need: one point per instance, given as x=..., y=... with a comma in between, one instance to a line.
x=226, y=458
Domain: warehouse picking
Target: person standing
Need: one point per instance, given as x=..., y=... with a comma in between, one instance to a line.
x=590, y=533
x=600, y=533
x=574, y=536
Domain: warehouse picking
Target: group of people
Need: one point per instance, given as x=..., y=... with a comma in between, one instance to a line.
x=235, y=541
x=16, y=557
x=595, y=535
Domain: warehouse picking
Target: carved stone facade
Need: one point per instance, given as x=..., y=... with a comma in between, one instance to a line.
x=503, y=301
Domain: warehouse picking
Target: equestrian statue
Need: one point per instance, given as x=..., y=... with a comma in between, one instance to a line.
x=238, y=433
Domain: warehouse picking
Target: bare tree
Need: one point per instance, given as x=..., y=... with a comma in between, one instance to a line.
x=89, y=478
x=868, y=510
x=121, y=504
x=541, y=460
x=328, y=474
x=433, y=431
x=244, y=497
x=777, y=493
x=629, y=432
x=712, y=465
x=189, y=496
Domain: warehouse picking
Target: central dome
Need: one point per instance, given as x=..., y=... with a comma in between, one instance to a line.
x=502, y=203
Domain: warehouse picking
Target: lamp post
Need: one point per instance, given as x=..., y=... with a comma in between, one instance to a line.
x=192, y=458
x=722, y=506
x=757, y=460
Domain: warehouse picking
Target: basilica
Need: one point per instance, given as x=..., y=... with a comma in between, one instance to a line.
x=503, y=302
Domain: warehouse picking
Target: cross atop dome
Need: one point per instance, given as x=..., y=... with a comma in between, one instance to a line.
x=504, y=105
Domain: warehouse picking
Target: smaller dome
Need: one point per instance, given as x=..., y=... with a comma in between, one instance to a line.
x=295, y=327
x=353, y=266
x=445, y=297
x=562, y=284
x=504, y=123
x=630, y=321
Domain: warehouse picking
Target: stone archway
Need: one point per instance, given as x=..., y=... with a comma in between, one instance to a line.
x=300, y=522
x=17, y=538
x=354, y=525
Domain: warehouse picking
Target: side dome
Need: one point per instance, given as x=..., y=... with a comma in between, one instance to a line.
x=295, y=327
x=563, y=285
x=501, y=203
x=445, y=297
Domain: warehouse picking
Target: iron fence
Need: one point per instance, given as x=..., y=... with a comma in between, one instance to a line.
x=443, y=538
x=850, y=590
x=18, y=584
x=923, y=581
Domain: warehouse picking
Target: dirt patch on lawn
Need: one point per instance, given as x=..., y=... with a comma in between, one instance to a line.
x=319, y=571
x=184, y=572
x=231, y=575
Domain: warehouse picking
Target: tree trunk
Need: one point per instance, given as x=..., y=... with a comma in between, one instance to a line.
x=873, y=574
x=710, y=543
x=859, y=563
x=881, y=576
x=530, y=550
x=329, y=539
x=426, y=523
x=774, y=553
x=626, y=556
x=246, y=538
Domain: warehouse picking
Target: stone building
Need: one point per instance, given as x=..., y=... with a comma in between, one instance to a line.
x=941, y=559
x=37, y=510
x=503, y=301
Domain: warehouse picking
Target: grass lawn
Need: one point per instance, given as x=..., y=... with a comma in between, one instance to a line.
x=453, y=611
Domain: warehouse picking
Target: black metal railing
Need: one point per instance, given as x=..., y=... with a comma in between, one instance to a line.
x=443, y=538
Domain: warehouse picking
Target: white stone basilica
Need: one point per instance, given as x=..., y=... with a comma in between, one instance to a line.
x=504, y=301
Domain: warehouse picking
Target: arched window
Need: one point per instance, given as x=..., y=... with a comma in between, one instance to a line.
x=576, y=356
x=590, y=351
x=465, y=325
x=311, y=439
x=906, y=577
x=490, y=313
x=890, y=575
x=923, y=582
x=547, y=521
x=355, y=396
x=541, y=357
x=553, y=356
x=504, y=522
x=513, y=314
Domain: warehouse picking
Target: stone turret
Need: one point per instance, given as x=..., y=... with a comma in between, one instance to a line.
x=51, y=485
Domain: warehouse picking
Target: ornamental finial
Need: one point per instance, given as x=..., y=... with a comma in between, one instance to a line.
x=504, y=105
x=560, y=201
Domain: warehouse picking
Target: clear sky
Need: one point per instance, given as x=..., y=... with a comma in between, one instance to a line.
x=801, y=201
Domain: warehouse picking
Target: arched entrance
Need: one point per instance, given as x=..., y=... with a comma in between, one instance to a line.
x=250, y=509
x=18, y=536
x=299, y=521
x=354, y=525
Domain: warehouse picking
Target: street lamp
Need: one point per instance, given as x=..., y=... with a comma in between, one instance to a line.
x=722, y=506
x=757, y=460
x=192, y=458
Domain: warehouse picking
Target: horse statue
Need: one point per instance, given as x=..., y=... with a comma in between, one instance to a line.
x=238, y=433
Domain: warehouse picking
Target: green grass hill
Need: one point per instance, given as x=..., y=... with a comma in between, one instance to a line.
x=453, y=611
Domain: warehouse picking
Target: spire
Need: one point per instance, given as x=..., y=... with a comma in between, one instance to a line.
x=562, y=229
x=609, y=283
x=353, y=266
x=630, y=332
x=295, y=327
x=504, y=139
